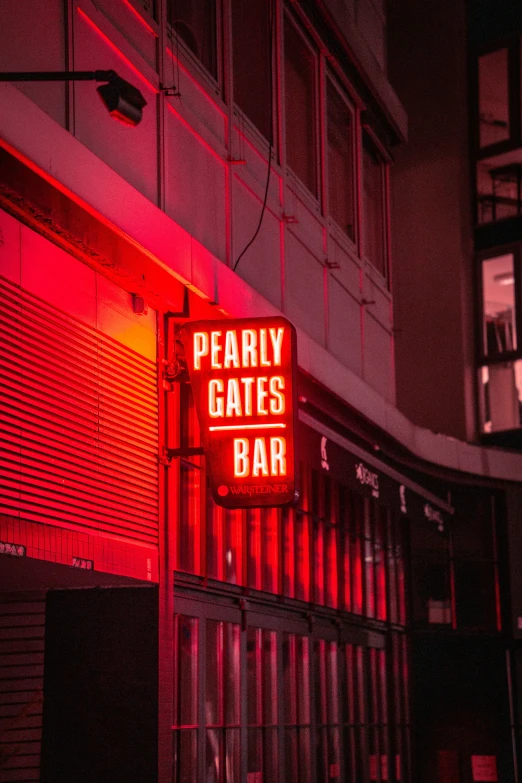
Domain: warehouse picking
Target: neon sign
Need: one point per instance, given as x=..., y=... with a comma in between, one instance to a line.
x=243, y=379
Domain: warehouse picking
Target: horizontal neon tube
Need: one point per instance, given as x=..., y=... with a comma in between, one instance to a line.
x=248, y=427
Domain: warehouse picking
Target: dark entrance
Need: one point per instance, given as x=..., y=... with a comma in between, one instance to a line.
x=461, y=708
x=100, y=686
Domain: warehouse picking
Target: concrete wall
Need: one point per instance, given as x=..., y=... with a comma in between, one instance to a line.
x=431, y=222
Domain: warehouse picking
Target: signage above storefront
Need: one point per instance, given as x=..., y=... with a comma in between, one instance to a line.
x=243, y=376
x=365, y=478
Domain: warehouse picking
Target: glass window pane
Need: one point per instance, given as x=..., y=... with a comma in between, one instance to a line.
x=270, y=549
x=189, y=433
x=493, y=97
x=195, y=23
x=233, y=529
x=380, y=561
x=186, y=674
x=498, y=305
x=214, y=533
x=501, y=396
x=254, y=702
x=302, y=564
x=318, y=553
x=499, y=188
x=189, y=519
x=231, y=635
x=269, y=678
x=288, y=520
x=251, y=57
x=373, y=207
x=475, y=596
x=299, y=103
x=184, y=755
x=340, y=161
x=253, y=517
x=303, y=678
x=213, y=679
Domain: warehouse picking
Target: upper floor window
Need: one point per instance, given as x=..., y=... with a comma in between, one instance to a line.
x=300, y=99
x=493, y=97
x=500, y=376
x=498, y=134
x=340, y=138
x=374, y=235
x=195, y=23
x=252, y=34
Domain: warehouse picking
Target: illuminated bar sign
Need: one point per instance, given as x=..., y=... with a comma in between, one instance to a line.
x=243, y=379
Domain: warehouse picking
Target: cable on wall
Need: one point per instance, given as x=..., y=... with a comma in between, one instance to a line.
x=271, y=140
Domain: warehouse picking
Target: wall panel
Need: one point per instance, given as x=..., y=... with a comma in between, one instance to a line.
x=195, y=186
x=33, y=39
x=261, y=264
x=132, y=152
x=378, y=358
x=304, y=289
x=344, y=335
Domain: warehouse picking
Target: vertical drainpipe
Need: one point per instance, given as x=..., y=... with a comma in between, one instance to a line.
x=166, y=587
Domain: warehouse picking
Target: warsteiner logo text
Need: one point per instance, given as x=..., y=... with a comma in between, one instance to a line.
x=367, y=477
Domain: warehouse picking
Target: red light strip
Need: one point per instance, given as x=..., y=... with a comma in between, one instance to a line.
x=248, y=427
x=115, y=49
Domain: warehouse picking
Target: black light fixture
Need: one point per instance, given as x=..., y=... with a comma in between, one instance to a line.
x=123, y=101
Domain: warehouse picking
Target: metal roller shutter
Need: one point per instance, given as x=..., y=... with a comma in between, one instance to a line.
x=22, y=625
x=78, y=416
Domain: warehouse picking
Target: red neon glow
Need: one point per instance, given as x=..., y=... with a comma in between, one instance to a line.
x=225, y=427
x=260, y=461
x=115, y=49
x=138, y=16
x=252, y=353
x=230, y=365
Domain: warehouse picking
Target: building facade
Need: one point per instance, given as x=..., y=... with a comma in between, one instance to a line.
x=369, y=632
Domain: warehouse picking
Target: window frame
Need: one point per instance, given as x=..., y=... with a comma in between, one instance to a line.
x=315, y=55
x=334, y=82
x=481, y=358
x=177, y=49
x=514, y=139
x=348, y=647
x=385, y=160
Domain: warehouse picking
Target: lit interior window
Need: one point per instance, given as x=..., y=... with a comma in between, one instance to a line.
x=498, y=287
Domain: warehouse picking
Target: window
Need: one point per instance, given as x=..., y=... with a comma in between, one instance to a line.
x=430, y=572
x=500, y=379
x=296, y=704
x=191, y=488
x=493, y=97
x=374, y=238
x=222, y=699
x=262, y=706
x=474, y=560
x=185, y=738
x=251, y=56
x=195, y=23
x=498, y=305
x=340, y=160
x=326, y=710
x=281, y=701
x=300, y=68
x=498, y=135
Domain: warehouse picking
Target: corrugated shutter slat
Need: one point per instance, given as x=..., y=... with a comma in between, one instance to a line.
x=78, y=414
